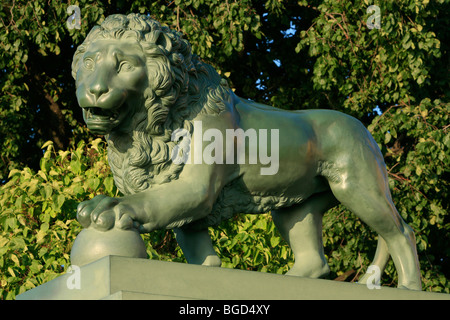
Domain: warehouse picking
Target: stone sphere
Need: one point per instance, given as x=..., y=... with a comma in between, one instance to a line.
x=92, y=244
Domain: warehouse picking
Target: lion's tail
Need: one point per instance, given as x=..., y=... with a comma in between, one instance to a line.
x=375, y=270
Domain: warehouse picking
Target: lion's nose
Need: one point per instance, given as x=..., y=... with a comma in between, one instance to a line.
x=98, y=89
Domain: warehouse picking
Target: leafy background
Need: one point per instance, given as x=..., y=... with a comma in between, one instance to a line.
x=290, y=54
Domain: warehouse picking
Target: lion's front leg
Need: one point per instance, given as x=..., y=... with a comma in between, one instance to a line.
x=197, y=247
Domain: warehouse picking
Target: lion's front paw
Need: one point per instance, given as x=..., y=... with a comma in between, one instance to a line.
x=103, y=213
x=98, y=212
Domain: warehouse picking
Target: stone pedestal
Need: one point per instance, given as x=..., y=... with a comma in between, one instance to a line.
x=123, y=278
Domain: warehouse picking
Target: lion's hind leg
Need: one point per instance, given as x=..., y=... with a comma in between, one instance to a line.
x=301, y=226
x=363, y=189
x=197, y=247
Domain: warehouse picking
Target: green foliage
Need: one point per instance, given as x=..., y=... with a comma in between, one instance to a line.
x=251, y=242
x=291, y=54
x=36, y=100
x=358, y=68
x=37, y=221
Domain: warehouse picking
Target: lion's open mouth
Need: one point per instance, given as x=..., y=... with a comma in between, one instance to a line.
x=101, y=121
x=101, y=114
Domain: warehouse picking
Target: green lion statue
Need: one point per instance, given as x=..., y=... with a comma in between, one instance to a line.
x=187, y=153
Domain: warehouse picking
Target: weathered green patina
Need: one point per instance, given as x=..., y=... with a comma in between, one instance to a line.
x=139, y=85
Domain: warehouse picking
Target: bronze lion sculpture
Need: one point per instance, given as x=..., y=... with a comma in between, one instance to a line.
x=139, y=85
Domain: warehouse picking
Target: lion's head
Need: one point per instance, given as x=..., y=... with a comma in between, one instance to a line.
x=137, y=81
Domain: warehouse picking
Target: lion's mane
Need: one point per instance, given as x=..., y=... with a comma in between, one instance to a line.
x=180, y=87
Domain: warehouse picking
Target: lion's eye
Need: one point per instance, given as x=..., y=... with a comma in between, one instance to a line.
x=125, y=66
x=89, y=63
